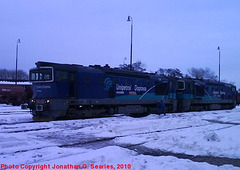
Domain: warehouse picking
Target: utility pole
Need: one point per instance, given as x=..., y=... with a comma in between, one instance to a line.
x=130, y=19
x=219, y=53
x=16, y=76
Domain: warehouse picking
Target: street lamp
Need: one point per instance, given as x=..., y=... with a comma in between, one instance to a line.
x=130, y=19
x=16, y=76
x=219, y=63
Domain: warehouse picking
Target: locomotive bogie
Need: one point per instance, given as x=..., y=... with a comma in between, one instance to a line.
x=48, y=109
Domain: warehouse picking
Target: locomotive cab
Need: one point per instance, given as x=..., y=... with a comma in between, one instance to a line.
x=52, y=86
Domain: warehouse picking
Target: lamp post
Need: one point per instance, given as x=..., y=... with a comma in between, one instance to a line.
x=219, y=52
x=130, y=19
x=16, y=76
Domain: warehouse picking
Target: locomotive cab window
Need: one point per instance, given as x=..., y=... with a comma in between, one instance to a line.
x=200, y=91
x=61, y=76
x=233, y=89
x=42, y=74
x=161, y=88
x=181, y=85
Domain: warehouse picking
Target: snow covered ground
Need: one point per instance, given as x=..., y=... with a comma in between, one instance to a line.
x=193, y=140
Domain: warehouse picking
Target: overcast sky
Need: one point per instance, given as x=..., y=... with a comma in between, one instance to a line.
x=167, y=33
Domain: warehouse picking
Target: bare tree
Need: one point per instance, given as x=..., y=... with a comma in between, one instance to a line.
x=22, y=75
x=124, y=66
x=200, y=73
x=137, y=66
x=11, y=74
x=174, y=73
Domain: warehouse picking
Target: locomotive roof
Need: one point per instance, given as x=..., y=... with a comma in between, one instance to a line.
x=118, y=71
x=207, y=81
x=91, y=68
x=57, y=65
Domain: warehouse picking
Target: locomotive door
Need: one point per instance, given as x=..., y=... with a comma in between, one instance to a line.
x=72, y=85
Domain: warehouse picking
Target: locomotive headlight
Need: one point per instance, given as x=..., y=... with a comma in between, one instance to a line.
x=47, y=101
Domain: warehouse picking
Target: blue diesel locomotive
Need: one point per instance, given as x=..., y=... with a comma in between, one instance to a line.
x=76, y=91
x=197, y=95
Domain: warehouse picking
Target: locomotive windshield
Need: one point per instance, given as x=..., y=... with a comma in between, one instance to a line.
x=181, y=85
x=41, y=74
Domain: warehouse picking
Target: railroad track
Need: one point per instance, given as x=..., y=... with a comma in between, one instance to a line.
x=99, y=142
x=16, y=123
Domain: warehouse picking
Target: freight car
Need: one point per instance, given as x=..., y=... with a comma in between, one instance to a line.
x=15, y=94
x=238, y=97
x=76, y=91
